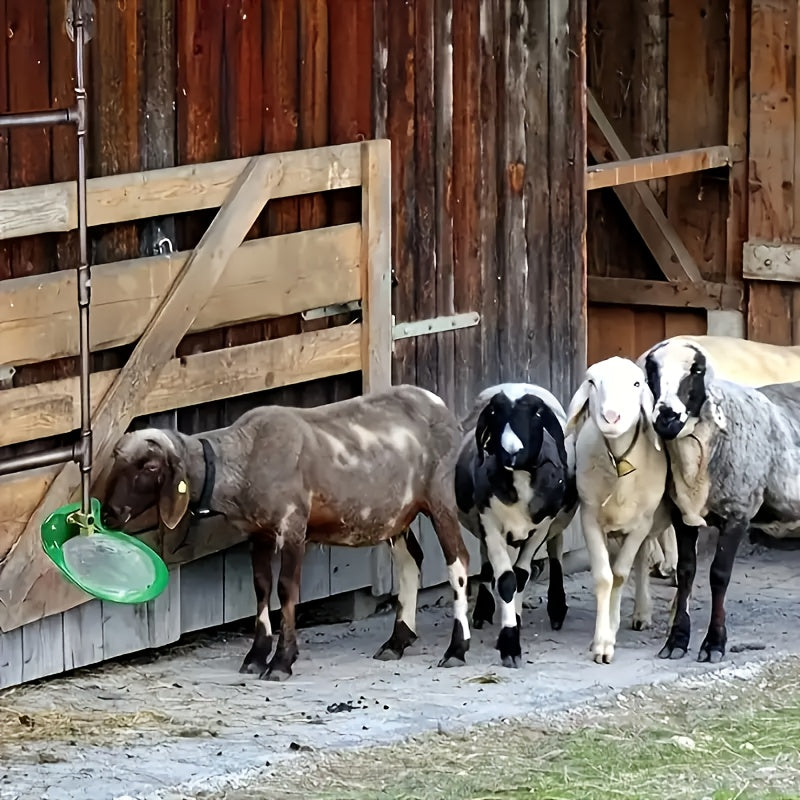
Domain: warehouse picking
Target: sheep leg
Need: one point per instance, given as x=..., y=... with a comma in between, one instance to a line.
x=666, y=555
x=603, y=642
x=680, y=631
x=280, y=667
x=262, y=548
x=483, y=610
x=456, y=556
x=556, y=597
x=642, y=604
x=632, y=544
x=508, y=640
x=730, y=534
x=525, y=570
x=407, y=556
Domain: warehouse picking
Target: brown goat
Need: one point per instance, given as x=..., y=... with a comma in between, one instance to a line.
x=352, y=473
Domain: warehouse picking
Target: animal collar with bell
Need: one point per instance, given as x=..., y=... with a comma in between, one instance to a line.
x=621, y=464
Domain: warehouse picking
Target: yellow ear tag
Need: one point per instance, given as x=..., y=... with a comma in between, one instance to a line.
x=182, y=487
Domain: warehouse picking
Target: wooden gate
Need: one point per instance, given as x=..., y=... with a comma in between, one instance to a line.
x=152, y=303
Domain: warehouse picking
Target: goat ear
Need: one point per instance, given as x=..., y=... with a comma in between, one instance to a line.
x=576, y=413
x=482, y=432
x=174, y=499
x=648, y=404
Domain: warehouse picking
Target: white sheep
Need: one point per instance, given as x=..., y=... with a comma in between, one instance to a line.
x=621, y=472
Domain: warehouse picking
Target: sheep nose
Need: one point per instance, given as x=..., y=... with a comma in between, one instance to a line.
x=611, y=417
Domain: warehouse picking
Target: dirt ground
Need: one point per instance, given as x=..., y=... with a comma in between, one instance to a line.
x=182, y=723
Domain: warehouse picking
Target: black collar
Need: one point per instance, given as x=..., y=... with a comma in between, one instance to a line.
x=203, y=506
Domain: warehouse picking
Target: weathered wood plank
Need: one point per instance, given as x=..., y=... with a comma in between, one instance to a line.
x=771, y=261
x=351, y=568
x=126, y=629
x=443, y=208
x=664, y=165
x=771, y=152
x=53, y=407
x=174, y=190
x=534, y=359
x=738, y=119
x=83, y=635
x=38, y=314
x=11, y=658
x=376, y=297
x=400, y=124
x=5, y=174
x=466, y=195
x=640, y=204
x=201, y=593
x=315, y=581
x=679, y=294
x=239, y=597
x=43, y=647
x=164, y=613
x=427, y=358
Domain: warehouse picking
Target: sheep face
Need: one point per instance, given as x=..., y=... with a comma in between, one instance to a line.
x=677, y=374
x=146, y=472
x=616, y=393
x=524, y=434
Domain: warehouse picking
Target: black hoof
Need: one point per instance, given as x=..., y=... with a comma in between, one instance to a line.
x=456, y=653
x=557, y=617
x=277, y=674
x=508, y=645
x=254, y=663
x=638, y=625
x=478, y=623
x=673, y=653
x=710, y=655
x=394, y=647
x=452, y=661
x=512, y=662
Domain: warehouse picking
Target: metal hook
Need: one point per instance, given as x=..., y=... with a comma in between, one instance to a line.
x=162, y=241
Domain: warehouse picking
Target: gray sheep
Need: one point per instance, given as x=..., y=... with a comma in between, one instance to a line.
x=734, y=462
x=354, y=473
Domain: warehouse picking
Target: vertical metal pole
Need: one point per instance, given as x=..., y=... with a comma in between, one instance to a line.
x=84, y=276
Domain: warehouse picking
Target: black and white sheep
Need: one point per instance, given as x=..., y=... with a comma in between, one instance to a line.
x=515, y=489
x=621, y=472
x=734, y=460
x=354, y=473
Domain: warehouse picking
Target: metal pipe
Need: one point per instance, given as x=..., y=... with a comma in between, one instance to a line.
x=48, y=458
x=56, y=117
x=84, y=275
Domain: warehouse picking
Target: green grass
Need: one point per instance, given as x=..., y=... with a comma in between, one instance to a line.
x=740, y=741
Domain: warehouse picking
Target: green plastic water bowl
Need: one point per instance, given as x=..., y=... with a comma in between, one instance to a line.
x=109, y=565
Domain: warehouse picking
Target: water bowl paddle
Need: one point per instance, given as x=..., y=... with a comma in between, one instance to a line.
x=109, y=565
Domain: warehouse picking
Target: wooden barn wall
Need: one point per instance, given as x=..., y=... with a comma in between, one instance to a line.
x=483, y=102
x=662, y=80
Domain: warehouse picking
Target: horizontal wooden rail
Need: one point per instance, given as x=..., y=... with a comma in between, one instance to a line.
x=265, y=278
x=52, y=208
x=671, y=294
x=44, y=409
x=664, y=165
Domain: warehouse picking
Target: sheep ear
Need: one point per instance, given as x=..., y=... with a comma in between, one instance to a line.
x=482, y=430
x=576, y=413
x=717, y=414
x=648, y=404
x=174, y=500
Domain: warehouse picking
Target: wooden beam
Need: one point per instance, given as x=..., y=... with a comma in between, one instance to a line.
x=376, y=290
x=640, y=204
x=188, y=293
x=174, y=190
x=771, y=261
x=663, y=165
x=38, y=313
x=49, y=408
x=53, y=407
x=672, y=294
